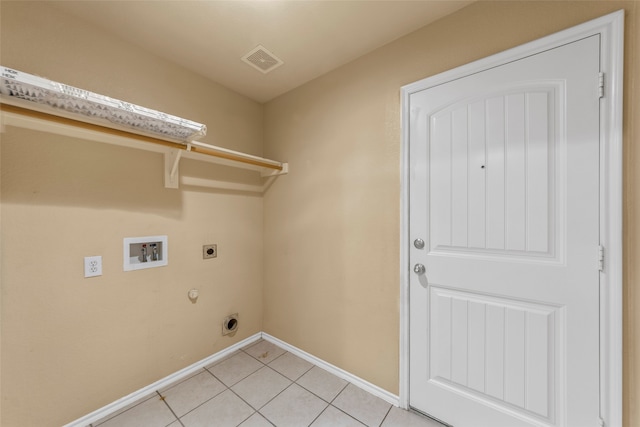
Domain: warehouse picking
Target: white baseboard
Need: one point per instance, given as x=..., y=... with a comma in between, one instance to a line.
x=164, y=382
x=186, y=372
x=338, y=372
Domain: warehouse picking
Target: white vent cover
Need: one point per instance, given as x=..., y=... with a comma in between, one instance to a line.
x=262, y=60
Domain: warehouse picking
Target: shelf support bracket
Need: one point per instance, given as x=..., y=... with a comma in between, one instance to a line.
x=171, y=166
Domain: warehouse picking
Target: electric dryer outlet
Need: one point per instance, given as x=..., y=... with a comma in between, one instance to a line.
x=209, y=251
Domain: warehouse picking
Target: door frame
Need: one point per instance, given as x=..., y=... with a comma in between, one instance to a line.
x=611, y=30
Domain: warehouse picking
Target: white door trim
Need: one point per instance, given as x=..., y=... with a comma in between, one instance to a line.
x=611, y=30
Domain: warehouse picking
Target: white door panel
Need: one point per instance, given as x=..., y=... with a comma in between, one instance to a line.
x=504, y=190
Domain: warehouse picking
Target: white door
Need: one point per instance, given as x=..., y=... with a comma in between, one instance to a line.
x=504, y=192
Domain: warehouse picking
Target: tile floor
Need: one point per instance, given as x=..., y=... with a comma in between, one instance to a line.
x=263, y=385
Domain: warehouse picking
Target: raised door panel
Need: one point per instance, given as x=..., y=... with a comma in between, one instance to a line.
x=502, y=352
x=493, y=175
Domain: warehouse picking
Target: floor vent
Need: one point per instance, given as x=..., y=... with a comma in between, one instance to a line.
x=262, y=60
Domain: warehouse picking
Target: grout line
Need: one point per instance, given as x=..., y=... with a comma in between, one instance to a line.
x=264, y=418
x=261, y=360
x=299, y=376
x=386, y=415
x=266, y=403
x=107, y=412
x=319, y=397
x=348, y=415
x=241, y=398
x=269, y=401
x=329, y=403
x=303, y=374
x=194, y=374
x=281, y=391
x=257, y=410
x=318, y=416
x=163, y=398
x=241, y=379
x=254, y=412
x=194, y=408
x=339, y=393
x=276, y=358
x=334, y=370
x=278, y=373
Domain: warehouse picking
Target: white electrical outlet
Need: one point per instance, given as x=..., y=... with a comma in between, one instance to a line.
x=92, y=266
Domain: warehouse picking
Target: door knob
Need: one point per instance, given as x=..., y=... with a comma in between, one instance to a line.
x=419, y=269
x=418, y=243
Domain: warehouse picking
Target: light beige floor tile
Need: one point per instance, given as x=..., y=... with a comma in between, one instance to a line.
x=261, y=386
x=253, y=343
x=269, y=389
x=294, y=407
x=224, y=410
x=235, y=368
x=256, y=420
x=364, y=406
x=322, y=383
x=333, y=417
x=291, y=366
x=400, y=418
x=264, y=351
x=150, y=413
x=185, y=396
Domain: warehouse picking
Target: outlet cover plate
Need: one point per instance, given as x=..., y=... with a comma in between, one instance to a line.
x=92, y=266
x=209, y=251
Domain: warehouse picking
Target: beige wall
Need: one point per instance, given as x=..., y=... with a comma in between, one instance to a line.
x=71, y=345
x=332, y=225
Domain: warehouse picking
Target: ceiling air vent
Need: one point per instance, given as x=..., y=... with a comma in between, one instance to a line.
x=262, y=60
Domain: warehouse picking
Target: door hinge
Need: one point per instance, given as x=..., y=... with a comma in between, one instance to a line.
x=600, y=257
x=600, y=85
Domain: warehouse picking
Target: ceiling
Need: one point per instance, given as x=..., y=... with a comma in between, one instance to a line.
x=210, y=37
